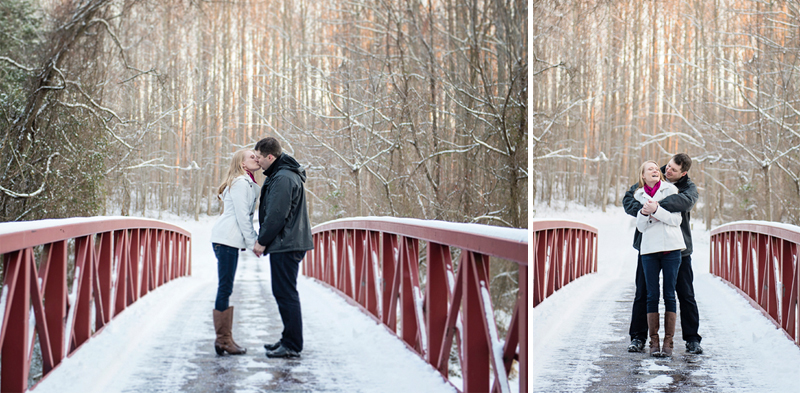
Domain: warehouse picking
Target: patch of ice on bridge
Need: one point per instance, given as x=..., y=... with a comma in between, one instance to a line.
x=658, y=384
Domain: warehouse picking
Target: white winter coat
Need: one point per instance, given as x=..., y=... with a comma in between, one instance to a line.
x=661, y=231
x=235, y=227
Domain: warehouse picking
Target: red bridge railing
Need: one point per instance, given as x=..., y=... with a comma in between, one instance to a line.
x=562, y=252
x=108, y=263
x=760, y=259
x=374, y=263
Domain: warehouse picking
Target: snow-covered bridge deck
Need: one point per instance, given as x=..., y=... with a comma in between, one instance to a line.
x=580, y=333
x=164, y=342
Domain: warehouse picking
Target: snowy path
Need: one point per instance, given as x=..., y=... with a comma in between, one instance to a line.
x=164, y=341
x=580, y=334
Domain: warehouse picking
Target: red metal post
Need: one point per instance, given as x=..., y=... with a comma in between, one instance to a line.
x=103, y=290
x=346, y=263
x=788, y=300
x=475, y=369
x=14, y=334
x=372, y=280
x=55, y=298
x=539, y=266
x=522, y=305
x=133, y=267
x=391, y=282
x=409, y=260
x=123, y=257
x=329, y=276
x=359, y=261
x=437, y=299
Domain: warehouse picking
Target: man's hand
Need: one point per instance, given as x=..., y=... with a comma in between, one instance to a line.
x=258, y=249
x=650, y=207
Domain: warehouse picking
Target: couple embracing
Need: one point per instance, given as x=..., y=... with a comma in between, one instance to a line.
x=284, y=233
x=662, y=201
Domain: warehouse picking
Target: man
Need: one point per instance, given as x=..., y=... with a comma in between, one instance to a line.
x=676, y=172
x=284, y=234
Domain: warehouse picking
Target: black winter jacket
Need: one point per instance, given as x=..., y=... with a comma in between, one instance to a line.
x=682, y=202
x=283, y=214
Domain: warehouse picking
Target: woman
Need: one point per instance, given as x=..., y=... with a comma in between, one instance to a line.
x=233, y=231
x=662, y=243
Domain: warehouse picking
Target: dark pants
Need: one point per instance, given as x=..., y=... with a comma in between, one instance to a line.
x=690, y=316
x=227, y=260
x=283, y=268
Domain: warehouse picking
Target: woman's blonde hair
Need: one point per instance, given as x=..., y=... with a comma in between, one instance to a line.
x=235, y=170
x=641, y=172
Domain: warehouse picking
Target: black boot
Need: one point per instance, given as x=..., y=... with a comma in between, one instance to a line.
x=282, y=352
x=272, y=347
x=636, y=345
x=694, y=347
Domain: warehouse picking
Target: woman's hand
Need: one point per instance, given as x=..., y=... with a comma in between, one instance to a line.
x=650, y=207
x=258, y=249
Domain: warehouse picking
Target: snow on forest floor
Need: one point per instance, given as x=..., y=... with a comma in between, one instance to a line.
x=580, y=332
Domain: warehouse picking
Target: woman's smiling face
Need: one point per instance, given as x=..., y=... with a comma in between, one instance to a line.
x=651, y=174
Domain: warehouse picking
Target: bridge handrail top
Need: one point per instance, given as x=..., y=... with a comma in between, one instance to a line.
x=777, y=229
x=540, y=224
x=482, y=238
x=17, y=235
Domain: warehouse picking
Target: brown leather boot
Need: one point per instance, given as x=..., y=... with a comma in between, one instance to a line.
x=241, y=348
x=669, y=332
x=223, y=321
x=652, y=327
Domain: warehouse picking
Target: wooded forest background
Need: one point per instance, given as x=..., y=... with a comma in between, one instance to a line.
x=402, y=108
x=615, y=83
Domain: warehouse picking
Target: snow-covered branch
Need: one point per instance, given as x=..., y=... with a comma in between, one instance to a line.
x=559, y=154
x=152, y=164
x=15, y=64
x=14, y=194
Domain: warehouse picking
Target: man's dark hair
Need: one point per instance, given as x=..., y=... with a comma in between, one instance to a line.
x=271, y=145
x=683, y=160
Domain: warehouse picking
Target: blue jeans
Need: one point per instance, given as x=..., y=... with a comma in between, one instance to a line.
x=227, y=260
x=653, y=264
x=684, y=288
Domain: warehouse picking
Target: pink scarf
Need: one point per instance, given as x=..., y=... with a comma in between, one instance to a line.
x=652, y=190
x=254, y=179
